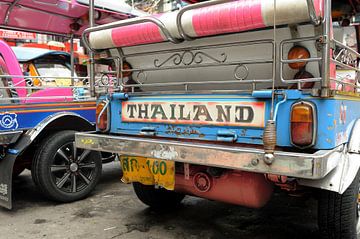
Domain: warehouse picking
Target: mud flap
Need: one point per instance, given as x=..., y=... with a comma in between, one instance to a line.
x=6, y=169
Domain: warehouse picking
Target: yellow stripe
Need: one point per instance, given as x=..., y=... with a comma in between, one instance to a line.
x=340, y=95
x=45, y=105
x=52, y=110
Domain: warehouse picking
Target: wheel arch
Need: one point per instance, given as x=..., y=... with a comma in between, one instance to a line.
x=60, y=121
x=54, y=123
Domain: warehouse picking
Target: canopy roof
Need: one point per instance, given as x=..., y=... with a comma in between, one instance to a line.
x=61, y=17
x=24, y=54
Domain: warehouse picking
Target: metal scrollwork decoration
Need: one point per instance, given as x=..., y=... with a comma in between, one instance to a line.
x=345, y=56
x=187, y=58
x=141, y=77
x=106, y=80
x=241, y=72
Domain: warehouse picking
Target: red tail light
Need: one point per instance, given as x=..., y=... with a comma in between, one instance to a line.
x=102, y=113
x=303, y=124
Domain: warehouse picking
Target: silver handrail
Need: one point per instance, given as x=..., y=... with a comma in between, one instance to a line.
x=148, y=19
x=314, y=18
x=325, y=64
x=337, y=43
x=350, y=62
x=287, y=61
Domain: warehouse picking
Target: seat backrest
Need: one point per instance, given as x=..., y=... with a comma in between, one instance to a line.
x=229, y=17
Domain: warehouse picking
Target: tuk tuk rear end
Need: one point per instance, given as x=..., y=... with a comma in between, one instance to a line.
x=227, y=100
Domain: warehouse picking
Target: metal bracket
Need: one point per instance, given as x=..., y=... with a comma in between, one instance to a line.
x=354, y=140
x=340, y=178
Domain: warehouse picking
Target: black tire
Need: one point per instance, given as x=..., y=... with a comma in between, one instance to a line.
x=338, y=214
x=59, y=175
x=107, y=157
x=157, y=198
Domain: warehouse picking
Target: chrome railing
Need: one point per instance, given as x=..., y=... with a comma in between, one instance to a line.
x=177, y=56
x=285, y=61
x=345, y=58
x=9, y=91
x=195, y=57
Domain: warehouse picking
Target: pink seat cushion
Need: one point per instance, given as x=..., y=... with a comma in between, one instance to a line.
x=229, y=17
x=143, y=33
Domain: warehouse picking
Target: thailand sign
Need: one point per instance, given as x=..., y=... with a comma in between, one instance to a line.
x=17, y=35
x=249, y=114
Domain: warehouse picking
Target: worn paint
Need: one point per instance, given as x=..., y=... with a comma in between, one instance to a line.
x=87, y=141
x=165, y=152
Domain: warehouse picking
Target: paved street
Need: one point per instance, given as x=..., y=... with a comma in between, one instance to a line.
x=113, y=211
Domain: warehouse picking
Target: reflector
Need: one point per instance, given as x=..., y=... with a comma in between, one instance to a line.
x=298, y=52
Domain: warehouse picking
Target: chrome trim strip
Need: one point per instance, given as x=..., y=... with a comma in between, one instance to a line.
x=300, y=165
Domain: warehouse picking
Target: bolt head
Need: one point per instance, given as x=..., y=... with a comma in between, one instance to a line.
x=255, y=162
x=269, y=158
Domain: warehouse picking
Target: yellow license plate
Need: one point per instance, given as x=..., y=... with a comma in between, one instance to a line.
x=148, y=171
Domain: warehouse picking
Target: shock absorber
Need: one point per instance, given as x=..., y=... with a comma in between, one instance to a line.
x=269, y=139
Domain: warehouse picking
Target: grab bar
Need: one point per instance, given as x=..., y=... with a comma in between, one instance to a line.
x=134, y=21
x=315, y=19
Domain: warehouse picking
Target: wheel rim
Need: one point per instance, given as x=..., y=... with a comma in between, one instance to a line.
x=71, y=169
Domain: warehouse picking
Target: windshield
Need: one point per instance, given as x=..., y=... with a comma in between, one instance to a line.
x=53, y=69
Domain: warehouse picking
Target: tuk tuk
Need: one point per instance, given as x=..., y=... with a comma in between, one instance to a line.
x=227, y=100
x=43, y=102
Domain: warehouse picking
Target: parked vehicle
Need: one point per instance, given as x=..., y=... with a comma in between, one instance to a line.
x=221, y=103
x=43, y=102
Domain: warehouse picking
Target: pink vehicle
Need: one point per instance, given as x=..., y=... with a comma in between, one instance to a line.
x=43, y=103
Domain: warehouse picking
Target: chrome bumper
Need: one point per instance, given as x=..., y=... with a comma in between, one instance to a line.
x=299, y=165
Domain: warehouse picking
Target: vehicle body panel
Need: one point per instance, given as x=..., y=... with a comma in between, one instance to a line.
x=336, y=115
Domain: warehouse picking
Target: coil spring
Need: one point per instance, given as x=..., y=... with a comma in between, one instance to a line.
x=269, y=137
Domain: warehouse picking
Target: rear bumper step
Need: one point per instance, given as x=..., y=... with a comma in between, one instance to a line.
x=300, y=165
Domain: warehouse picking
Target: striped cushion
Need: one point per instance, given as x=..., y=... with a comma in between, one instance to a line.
x=230, y=17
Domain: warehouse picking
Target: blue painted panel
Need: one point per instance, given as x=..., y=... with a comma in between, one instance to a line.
x=335, y=117
x=324, y=115
x=26, y=119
